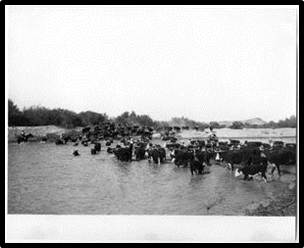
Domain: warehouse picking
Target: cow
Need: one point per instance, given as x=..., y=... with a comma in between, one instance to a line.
x=84, y=142
x=76, y=153
x=24, y=137
x=231, y=158
x=140, y=152
x=97, y=147
x=157, y=154
x=234, y=143
x=250, y=171
x=172, y=145
x=279, y=157
x=110, y=150
x=86, y=130
x=59, y=142
x=253, y=144
x=278, y=144
x=196, y=166
x=108, y=143
x=123, y=153
x=183, y=157
x=203, y=156
x=266, y=146
x=244, y=156
x=291, y=146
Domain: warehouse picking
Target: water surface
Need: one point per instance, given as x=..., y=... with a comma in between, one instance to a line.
x=48, y=179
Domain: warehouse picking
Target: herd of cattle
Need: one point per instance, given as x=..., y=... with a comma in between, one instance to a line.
x=249, y=158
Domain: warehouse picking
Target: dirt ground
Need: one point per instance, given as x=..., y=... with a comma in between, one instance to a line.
x=282, y=204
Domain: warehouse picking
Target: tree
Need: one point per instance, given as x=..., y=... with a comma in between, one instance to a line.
x=90, y=118
x=288, y=122
x=13, y=113
x=123, y=118
x=237, y=125
x=15, y=116
x=214, y=124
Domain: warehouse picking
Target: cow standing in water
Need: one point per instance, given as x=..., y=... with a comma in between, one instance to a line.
x=76, y=153
x=253, y=169
x=157, y=154
x=252, y=160
x=23, y=137
x=197, y=163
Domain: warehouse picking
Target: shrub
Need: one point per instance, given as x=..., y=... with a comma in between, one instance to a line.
x=237, y=125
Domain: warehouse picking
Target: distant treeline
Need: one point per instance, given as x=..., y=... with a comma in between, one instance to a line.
x=40, y=116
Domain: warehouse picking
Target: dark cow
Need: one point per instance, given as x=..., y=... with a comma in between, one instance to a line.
x=234, y=142
x=280, y=157
x=231, y=158
x=84, y=142
x=172, y=145
x=24, y=137
x=124, y=153
x=291, y=146
x=183, y=157
x=110, y=150
x=266, y=146
x=177, y=128
x=108, y=143
x=204, y=156
x=86, y=129
x=278, y=144
x=97, y=147
x=157, y=154
x=223, y=143
x=253, y=144
x=250, y=171
x=245, y=156
x=76, y=153
x=147, y=134
x=59, y=142
x=196, y=166
x=140, y=152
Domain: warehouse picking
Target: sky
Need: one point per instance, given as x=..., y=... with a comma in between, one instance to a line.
x=205, y=63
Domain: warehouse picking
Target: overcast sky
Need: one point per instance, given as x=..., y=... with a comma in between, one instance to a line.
x=199, y=62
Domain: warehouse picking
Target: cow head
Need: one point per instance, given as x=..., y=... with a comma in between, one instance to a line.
x=238, y=173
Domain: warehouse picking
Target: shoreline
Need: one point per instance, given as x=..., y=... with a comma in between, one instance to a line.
x=223, y=133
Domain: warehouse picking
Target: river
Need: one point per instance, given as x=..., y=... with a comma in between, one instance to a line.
x=48, y=179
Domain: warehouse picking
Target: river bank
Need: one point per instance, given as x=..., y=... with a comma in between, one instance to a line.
x=265, y=134
x=249, y=133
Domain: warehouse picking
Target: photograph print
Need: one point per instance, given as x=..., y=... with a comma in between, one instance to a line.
x=151, y=110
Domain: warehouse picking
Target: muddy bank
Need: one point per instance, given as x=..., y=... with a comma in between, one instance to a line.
x=282, y=204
